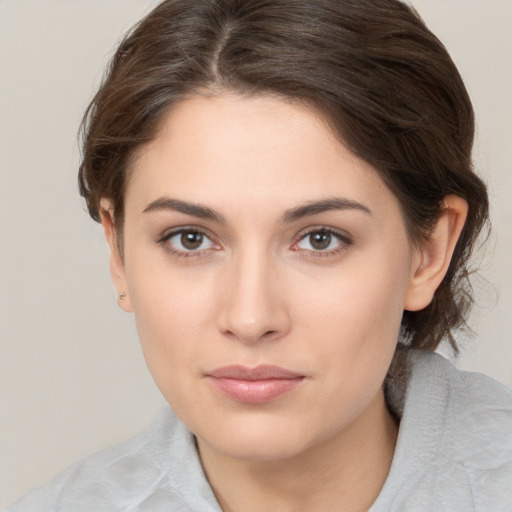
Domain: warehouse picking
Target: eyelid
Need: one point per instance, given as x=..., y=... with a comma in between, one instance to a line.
x=345, y=241
x=183, y=229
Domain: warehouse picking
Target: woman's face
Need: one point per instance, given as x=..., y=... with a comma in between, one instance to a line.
x=268, y=269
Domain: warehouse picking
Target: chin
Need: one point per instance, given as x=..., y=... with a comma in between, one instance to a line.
x=258, y=441
x=260, y=450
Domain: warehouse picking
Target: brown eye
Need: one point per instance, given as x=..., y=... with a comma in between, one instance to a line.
x=191, y=240
x=188, y=241
x=320, y=240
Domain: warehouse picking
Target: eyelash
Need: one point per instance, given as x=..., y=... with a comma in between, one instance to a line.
x=344, y=240
x=185, y=254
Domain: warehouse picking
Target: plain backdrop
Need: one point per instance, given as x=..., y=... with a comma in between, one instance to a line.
x=72, y=376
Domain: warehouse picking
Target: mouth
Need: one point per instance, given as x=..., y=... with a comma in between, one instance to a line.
x=254, y=385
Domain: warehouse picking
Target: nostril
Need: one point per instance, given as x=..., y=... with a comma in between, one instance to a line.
x=253, y=312
x=251, y=336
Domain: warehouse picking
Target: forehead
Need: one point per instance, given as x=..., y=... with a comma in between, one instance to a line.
x=256, y=152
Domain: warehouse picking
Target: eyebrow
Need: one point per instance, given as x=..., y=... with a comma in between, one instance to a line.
x=316, y=207
x=194, y=209
x=292, y=215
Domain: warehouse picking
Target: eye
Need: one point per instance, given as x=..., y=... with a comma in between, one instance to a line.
x=322, y=241
x=187, y=242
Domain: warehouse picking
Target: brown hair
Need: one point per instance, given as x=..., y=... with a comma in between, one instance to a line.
x=380, y=78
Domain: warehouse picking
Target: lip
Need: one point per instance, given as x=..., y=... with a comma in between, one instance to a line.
x=257, y=385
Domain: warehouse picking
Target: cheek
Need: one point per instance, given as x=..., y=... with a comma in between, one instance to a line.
x=172, y=312
x=165, y=295
x=356, y=317
x=362, y=298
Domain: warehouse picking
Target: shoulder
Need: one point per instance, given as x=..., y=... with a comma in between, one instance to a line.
x=144, y=473
x=471, y=403
x=478, y=438
x=454, y=450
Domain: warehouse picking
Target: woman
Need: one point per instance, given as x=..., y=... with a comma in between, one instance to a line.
x=287, y=193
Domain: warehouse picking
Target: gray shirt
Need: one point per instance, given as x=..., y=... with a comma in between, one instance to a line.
x=454, y=454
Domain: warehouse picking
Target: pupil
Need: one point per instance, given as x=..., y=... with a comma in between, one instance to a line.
x=320, y=240
x=191, y=240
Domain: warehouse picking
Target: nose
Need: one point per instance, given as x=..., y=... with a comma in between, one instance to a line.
x=254, y=306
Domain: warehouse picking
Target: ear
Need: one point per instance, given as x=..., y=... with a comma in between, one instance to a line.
x=117, y=267
x=430, y=262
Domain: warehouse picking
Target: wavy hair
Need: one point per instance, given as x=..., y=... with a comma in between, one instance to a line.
x=371, y=68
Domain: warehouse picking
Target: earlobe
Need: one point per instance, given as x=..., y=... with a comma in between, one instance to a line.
x=430, y=262
x=117, y=267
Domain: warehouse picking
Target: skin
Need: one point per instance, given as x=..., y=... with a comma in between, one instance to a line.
x=259, y=289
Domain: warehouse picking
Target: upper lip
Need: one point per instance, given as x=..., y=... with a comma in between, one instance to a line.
x=261, y=372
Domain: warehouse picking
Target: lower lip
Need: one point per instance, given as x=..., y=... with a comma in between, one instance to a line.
x=255, y=391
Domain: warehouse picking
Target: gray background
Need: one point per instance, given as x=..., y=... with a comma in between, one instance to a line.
x=72, y=376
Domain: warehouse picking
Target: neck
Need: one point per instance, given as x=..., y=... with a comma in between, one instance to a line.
x=344, y=473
